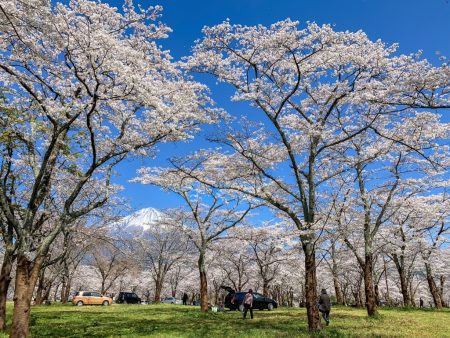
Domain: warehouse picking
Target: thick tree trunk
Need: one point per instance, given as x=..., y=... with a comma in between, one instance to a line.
x=311, y=290
x=158, y=289
x=5, y=280
x=369, y=289
x=404, y=288
x=433, y=288
x=203, y=283
x=27, y=273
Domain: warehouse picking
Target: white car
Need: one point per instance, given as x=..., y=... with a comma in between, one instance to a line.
x=171, y=300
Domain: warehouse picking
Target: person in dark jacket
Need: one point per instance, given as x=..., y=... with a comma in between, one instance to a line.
x=185, y=298
x=325, y=306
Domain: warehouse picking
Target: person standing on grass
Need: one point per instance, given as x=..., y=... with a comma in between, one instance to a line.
x=421, y=302
x=325, y=306
x=185, y=298
x=248, y=304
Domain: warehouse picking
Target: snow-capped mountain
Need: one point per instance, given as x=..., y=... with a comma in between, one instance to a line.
x=139, y=221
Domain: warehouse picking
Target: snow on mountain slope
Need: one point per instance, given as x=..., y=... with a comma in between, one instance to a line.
x=139, y=221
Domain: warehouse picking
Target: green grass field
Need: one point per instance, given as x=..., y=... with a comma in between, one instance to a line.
x=186, y=321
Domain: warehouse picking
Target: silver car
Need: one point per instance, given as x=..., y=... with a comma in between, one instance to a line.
x=171, y=300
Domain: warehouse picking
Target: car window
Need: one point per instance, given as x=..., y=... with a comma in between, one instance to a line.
x=95, y=294
x=133, y=295
x=86, y=294
x=257, y=296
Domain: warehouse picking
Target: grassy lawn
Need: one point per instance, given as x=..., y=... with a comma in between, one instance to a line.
x=186, y=321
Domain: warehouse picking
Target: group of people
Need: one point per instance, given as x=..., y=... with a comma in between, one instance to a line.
x=324, y=305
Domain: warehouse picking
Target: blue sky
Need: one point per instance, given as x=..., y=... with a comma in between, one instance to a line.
x=414, y=24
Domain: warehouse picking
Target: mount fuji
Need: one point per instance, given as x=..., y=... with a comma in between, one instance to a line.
x=140, y=221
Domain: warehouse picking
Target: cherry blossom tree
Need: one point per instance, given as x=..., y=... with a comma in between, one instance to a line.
x=313, y=90
x=234, y=259
x=207, y=215
x=434, y=230
x=403, y=248
x=92, y=87
x=163, y=248
x=267, y=246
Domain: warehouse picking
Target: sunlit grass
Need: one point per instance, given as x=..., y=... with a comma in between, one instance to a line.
x=186, y=321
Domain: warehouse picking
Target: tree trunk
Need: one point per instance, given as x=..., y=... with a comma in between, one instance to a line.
x=369, y=289
x=311, y=289
x=55, y=292
x=5, y=280
x=27, y=273
x=39, y=299
x=158, y=289
x=65, y=291
x=404, y=288
x=338, y=291
x=399, y=264
x=433, y=288
x=441, y=289
x=388, y=296
x=377, y=295
x=47, y=290
x=203, y=283
x=334, y=271
x=265, y=288
x=103, y=286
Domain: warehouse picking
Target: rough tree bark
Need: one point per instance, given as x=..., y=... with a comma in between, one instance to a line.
x=399, y=264
x=311, y=288
x=203, y=283
x=158, y=289
x=433, y=287
x=334, y=271
x=5, y=280
x=369, y=287
x=27, y=273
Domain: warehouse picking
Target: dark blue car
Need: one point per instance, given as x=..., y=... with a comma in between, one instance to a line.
x=234, y=300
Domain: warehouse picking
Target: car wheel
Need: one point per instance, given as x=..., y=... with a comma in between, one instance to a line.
x=125, y=302
x=172, y=303
x=241, y=308
x=80, y=303
x=105, y=303
x=270, y=307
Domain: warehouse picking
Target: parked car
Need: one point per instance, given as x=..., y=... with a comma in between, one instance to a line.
x=234, y=300
x=90, y=298
x=127, y=298
x=171, y=300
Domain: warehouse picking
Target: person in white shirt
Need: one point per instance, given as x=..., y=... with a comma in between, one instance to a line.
x=248, y=304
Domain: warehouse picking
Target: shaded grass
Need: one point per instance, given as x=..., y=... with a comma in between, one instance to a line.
x=165, y=320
